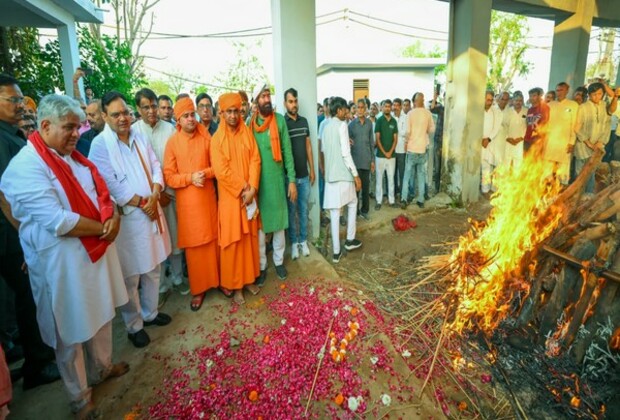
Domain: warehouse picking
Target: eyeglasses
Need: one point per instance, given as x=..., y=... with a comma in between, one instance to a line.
x=204, y=106
x=149, y=107
x=15, y=100
x=117, y=115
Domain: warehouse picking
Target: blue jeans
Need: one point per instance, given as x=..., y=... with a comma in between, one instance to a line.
x=415, y=166
x=299, y=208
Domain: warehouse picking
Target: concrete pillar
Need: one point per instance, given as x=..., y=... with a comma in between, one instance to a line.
x=294, y=51
x=468, y=47
x=70, y=56
x=571, y=39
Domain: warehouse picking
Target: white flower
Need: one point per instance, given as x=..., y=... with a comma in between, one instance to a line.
x=290, y=304
x=360, y=293
x=209, y=363
x=311, y=290
x=347, y=308
x=292, y=329
x=406, y=354
x=283, y=322
x=201, y=415
x=220, y=351
x=386, y=399
x=335, y=312
x=353, y=403
x=374, y=360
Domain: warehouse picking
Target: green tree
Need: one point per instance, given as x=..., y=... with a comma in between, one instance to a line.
x=246, y=73
x=39, y=68
x=507, y=49
x=416, y=50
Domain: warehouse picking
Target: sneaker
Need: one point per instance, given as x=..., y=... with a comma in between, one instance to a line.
x=336, y=257
x=260, y=280
x=281, y=272
x=139, y=339
x=305, y=251
x=420, y=204
x=182, y=288
x=352, y=244
x=160, y=320
x=377, y=206
x=294, y=251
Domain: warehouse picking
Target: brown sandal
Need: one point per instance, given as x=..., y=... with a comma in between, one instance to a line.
x=252, y=288
x=196, y=302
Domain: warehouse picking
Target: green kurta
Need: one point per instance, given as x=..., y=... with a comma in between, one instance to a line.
x=272, y=190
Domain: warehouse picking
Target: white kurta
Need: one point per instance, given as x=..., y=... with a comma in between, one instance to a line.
x=562, y=121
x=492, y=125
x=158, y=137
x=516, y=124
x=141, y=247
x=340, y=193
x=74, y=296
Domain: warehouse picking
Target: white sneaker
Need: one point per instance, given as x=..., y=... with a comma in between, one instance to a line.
x=305, y=251
x=294, y=251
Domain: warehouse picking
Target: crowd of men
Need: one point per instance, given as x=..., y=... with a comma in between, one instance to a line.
x=105, y=208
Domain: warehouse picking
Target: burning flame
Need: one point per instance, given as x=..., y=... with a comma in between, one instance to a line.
x=489, y=258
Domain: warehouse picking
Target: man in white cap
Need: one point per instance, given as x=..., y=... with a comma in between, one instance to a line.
x=269, y=129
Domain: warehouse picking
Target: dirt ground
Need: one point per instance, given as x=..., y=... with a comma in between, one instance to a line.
x=437, y=223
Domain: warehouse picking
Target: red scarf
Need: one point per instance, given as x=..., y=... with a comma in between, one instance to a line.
x=269, y=122
x=79, y=201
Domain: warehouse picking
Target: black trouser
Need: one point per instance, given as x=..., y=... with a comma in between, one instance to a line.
x=364, y=175
x=399, y=173
x=36, y=353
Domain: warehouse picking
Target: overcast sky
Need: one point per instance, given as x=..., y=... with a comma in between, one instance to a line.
x=373, y=30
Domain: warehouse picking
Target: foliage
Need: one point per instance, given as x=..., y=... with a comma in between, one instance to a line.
x=39, y=68
x=246, y=73
x=507, y=48
x=416, y=50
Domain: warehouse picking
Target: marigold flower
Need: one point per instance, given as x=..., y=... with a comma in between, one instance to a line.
x=462, y=406
x=339, y=399
x=354, y=311
x=253, y=396
x=283, y=286
x=266, y=339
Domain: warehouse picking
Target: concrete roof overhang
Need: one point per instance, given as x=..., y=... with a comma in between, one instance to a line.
x=606, y=12
x=48, y=13
x=405, y=64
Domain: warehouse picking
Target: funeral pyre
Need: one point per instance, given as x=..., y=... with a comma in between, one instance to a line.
x=532, y=292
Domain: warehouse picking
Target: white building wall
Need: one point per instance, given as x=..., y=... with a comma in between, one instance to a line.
x=383, y=84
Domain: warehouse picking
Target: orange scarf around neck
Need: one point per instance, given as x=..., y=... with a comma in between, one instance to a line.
x=269, y=122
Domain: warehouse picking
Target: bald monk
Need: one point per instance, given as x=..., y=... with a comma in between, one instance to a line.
x=187, y=169
x=236, y=161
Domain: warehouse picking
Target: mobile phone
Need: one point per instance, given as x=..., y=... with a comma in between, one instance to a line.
x=437, y=88
x=87, y=71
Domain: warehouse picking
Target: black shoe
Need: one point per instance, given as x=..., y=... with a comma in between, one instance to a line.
x=14, y=354
x=260, y=280
x=47, y=375
x=377, y=206
x=336, y=257
x=393, y=205
x=420, y=204
x=352, y=244
x=364, y=216
x=281, y=272
x=160, y=320
x=139, y=339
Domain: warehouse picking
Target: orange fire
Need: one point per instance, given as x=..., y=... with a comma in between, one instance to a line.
x=488, y=260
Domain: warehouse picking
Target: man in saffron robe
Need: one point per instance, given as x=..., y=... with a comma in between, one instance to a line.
x=274, y=145
x=187, y=169
x=68, y=224
x=237, y=165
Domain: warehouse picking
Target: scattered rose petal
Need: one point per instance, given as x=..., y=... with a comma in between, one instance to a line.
x=485, y=378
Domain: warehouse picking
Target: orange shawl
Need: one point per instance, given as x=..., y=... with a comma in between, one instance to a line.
x=269, y=122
